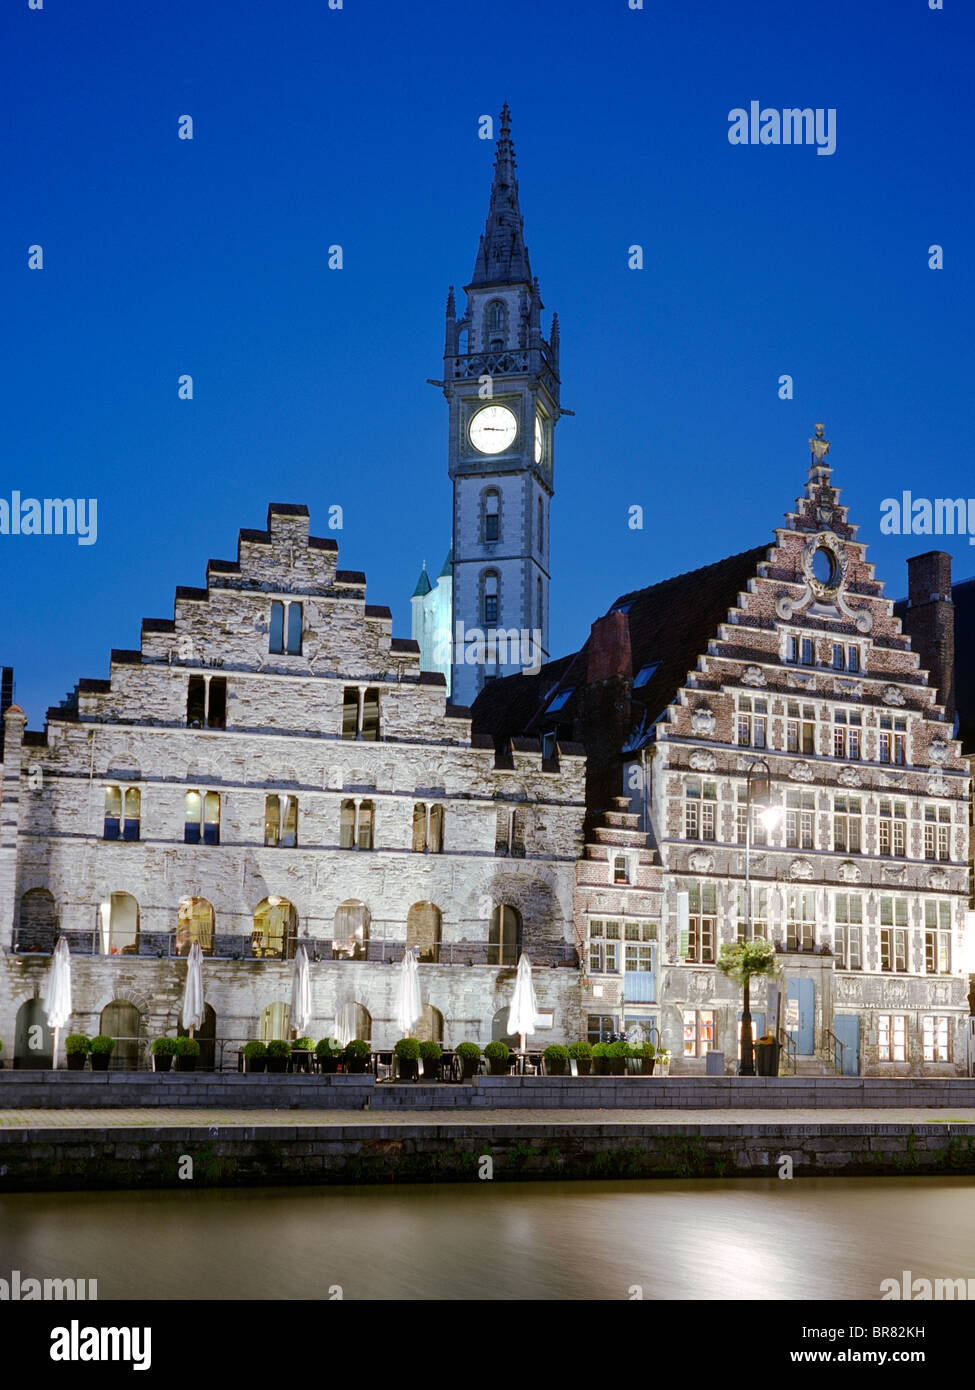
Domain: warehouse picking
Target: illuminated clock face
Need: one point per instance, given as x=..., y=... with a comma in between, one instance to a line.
x=539, y=439
x=493, y=429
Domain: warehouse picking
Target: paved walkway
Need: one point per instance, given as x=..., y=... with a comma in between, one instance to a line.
x=194, y=1117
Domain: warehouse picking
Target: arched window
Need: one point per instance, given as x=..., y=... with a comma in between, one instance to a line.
x=38, y=921
x=491, y=598
x=123, y=1022
x=499, y=1028
x=430, y=1025
x=275, y=1021
x=423, y=925
x=350, y=931
x=281, y=821
x=504, y=936
x=275, y=930
x=491, y=514
x=118, y=925
x=496, y=324
x=356, y=824
x=194, y=922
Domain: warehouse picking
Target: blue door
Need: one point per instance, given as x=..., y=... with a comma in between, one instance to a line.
x=801, y=992
x=847, y=1030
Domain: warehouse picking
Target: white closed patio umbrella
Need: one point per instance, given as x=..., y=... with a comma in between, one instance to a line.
x=57, y=993
x=409, y=1006
x=301, y=993
x=345, y=1021
x=193, y=990
x=523, y=1014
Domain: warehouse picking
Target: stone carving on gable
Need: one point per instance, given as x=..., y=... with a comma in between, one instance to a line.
x=849, y=777
x=702, y=983
x=800, y=680
x=891, y=873
x=942, y=992
x=700, y=861
x=753, y=675
x=800, y=869
x=703, y=721
x=895, y=993
x=847, y=990
x=938, y=785
x=702, y=760
x=801, y=772
x=938, y=751
x=849, y=872
x=894, y=778
x=848, y=690
x=893, y=695
x=938, y=878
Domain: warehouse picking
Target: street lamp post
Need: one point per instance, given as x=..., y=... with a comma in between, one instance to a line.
x=770, y=817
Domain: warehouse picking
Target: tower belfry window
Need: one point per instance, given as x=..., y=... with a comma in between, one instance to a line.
x=492, y=516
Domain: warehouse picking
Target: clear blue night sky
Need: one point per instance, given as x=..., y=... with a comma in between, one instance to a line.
x=359, y=127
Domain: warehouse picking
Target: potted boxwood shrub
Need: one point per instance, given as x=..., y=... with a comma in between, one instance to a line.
x=77, y=1047
x=556, y=1059
x=187, y=1051
x=102, y=1048
x=407, y=1052
x=328, y=1051
x=255, y=1056
x=355, y=1057
x=600, y=1059
x=470, y=1056
x=163, y=1052
x=497, y=1053
x=582, y=1054
x=618, y=1053
x=278, y=1054
x=301, y=1054
x=430, y=1055
x=646, y=1056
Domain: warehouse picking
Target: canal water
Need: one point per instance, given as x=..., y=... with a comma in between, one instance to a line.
x=767, y=1239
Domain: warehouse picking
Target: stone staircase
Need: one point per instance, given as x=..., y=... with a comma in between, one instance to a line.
x=814, y=1066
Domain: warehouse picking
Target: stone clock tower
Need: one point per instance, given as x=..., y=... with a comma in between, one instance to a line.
x=501, y=381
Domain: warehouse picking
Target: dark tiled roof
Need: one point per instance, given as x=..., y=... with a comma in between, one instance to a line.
x=322, y=543
x=670, y=623
x=356, y=577
x=255, y=537
x=404, y=644
x=224, y=566
x=94, y=687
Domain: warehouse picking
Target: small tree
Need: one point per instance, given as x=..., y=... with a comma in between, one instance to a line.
x=740, y=960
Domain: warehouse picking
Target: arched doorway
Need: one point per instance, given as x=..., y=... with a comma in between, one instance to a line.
x=123, y=1022
x=38, y=922
x=118, y=921
x=206, y=1036
x=194, y=922
x=353, y=1020
x=423, y=924
x=499, y=1028
x=350, y=931
x=430, y=1026
x=275, y=930
x=504, y=936
x=275, y=1021
x=33, y=1040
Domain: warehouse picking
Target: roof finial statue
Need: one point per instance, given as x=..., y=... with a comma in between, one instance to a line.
x=819, y=471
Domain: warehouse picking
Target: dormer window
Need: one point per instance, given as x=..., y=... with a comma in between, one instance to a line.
x=621, y=869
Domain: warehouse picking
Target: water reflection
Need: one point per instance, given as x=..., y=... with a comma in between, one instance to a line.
x=804, y=1239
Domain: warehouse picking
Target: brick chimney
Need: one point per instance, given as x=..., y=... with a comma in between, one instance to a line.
x=604, y=720
x=930, y=622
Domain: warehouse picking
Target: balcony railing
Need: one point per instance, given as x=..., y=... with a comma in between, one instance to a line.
x=83, y=941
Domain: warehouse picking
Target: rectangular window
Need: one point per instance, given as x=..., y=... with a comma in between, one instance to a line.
x=281, y=822
x=893, y=739
x=759, y=913
x=847, y=933
x=699, y=810
x=132, y=813
x=201, y=818
x=702, y=923
x=807, y=653
x=891, y=1038
x=285, y=628
x=934, y=1033
x=490, y=609
x=853, y=659
x=621, y=869
x=839, y=656
x=492, y=526
x=801, y=728
x=937, y=833
x=698, y=1032
x=211, y=818
x=799, y=812
x=937, y=937
x=360, y=713
x=847, y=824
x=893, y=828
x=752, y=722
x=276, y=628
x=599, y=1027
x=801, y=925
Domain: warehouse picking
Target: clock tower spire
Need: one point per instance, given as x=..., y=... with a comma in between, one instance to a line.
x=501, y=381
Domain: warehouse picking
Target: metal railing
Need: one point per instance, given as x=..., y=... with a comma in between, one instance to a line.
x=837, y=1047
x=790, y=1048
x=84, y=941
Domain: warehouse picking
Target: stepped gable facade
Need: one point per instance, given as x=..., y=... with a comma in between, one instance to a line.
x=271, y=768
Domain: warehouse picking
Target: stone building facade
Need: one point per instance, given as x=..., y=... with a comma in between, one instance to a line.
x=272, y=767
x=783, y=669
